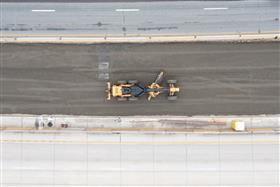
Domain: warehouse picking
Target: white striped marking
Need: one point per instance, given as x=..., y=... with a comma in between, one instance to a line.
x=222, y=8
x=43, y=10
x=127, y=10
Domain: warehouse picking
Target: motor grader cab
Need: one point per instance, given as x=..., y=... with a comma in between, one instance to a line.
x=131, y=90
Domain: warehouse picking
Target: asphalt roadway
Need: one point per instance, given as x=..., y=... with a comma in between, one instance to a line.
x=214, y=78
x=180, y=17
x=80, y=159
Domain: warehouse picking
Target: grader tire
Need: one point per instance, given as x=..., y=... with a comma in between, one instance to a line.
x=133, y=99
x=122, y=82
x=172, y=98
x=122, y=99
x=132, y=81
x=171, y=81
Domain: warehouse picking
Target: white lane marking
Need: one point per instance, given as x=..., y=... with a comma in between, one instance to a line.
x=43, y=10
x=222, y=8
x=127, y=10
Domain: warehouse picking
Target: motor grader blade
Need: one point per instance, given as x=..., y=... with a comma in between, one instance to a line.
x=108, y=90
x=159, y=78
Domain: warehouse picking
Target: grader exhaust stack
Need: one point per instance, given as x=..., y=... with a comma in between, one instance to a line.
x=131, y=90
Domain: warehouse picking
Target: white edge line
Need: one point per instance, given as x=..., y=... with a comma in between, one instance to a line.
x=127, y=10
x=222, y=8
x=43, y=10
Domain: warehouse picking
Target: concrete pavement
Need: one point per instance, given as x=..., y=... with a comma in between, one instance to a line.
x=139, y=159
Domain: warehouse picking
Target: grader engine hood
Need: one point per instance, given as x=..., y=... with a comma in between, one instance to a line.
x=116, y=91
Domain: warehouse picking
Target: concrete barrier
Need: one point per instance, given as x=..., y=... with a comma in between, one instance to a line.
x=88, y=39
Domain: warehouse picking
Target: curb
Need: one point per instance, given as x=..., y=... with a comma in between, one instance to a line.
x=131, y=124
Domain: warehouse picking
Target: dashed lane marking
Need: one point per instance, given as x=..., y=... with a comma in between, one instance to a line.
x=219, y=8
x=43, y=10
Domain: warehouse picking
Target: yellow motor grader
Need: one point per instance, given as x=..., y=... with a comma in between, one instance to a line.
x=131, y=90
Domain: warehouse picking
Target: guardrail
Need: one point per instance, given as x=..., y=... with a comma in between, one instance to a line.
x=269, y=36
